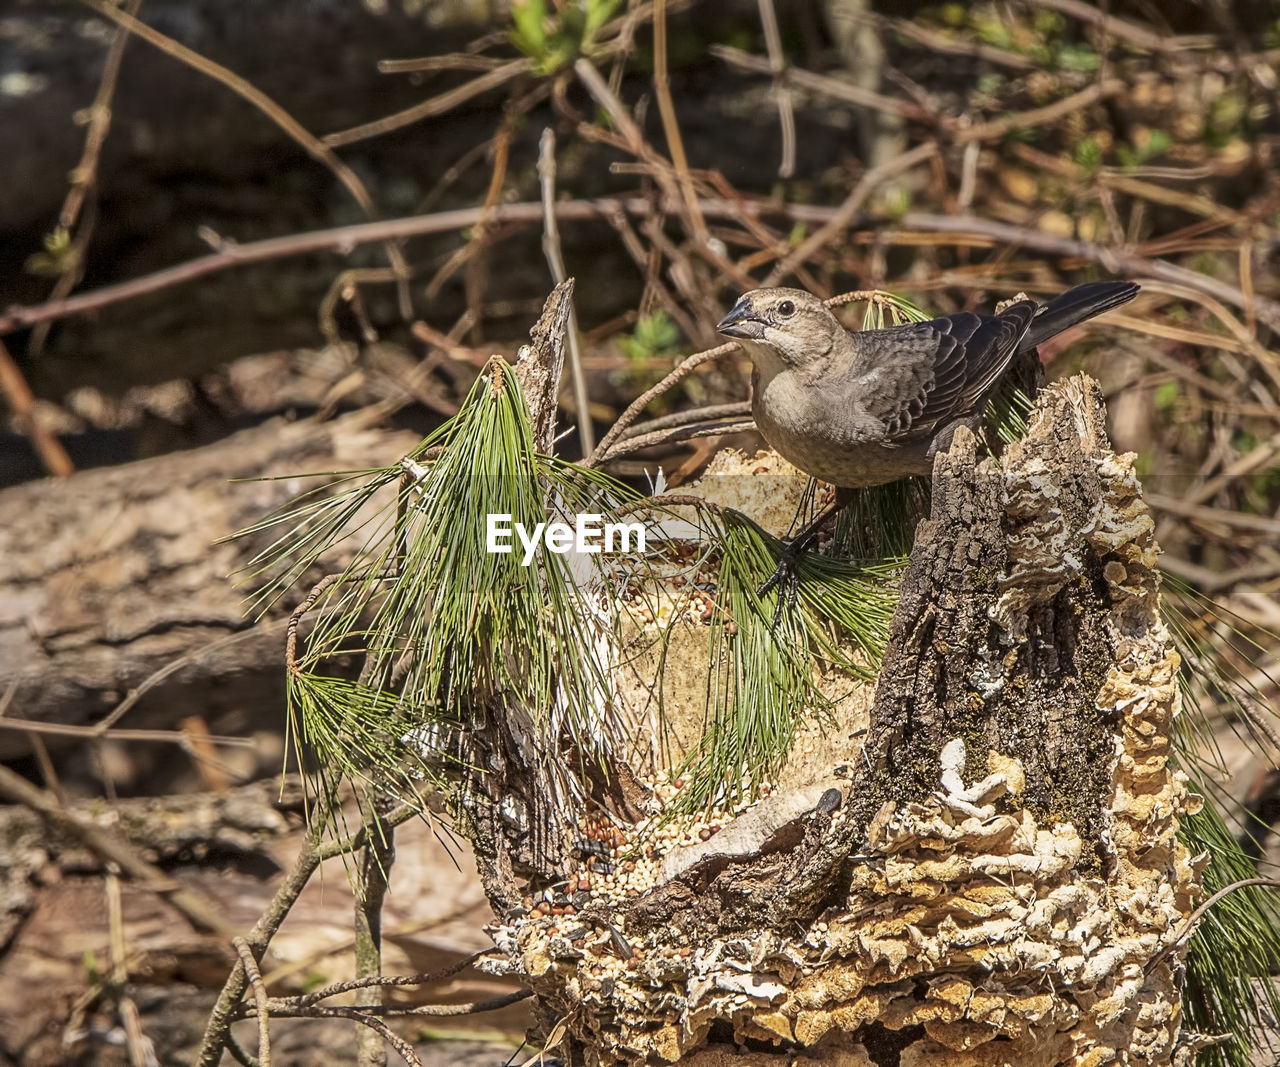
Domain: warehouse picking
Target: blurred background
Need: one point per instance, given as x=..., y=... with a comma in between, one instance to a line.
x=243, y=240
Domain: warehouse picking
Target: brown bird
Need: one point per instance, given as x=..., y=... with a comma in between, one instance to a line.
x=862, y=408
x=866, y=407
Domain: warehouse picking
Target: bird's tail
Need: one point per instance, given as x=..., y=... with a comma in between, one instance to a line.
x=1075, y=306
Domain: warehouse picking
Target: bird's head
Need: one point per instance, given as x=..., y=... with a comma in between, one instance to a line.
x=793, y=324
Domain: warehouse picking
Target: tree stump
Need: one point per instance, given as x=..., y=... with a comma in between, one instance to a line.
x=995, y=878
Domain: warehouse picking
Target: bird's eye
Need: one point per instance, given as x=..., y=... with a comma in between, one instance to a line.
x=787, y=308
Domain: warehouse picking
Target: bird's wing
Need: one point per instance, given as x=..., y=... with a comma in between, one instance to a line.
x=926, y=374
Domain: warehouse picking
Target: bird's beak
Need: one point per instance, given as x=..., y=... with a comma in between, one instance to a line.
x=741, y=322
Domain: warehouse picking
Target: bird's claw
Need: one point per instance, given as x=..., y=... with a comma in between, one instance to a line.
x=786, y=579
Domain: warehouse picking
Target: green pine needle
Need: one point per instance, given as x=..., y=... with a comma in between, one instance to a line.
x=447, y=631
x=1233, y=950
x=763, y=675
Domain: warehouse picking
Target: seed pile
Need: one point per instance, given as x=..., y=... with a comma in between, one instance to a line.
x=620, y=864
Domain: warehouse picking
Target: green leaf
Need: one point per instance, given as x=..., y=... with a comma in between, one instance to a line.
x=1166, y=396
x=528, y=32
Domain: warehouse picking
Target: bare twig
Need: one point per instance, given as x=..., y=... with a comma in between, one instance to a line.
x=437, y=105
x=304, y=866
x=821, y=83
x=555, y=260
x=960, y=45
x=355, y=1014
x=375, y=874
x=781, y=92
x=928, y=225
x=444, y=1011
x=140, y=1052
x=93, y=733
x=1122, y=28
x=105, y=725
x=1119, y=262
x=312, y=145
x=238, y=1053
x=98, y=114
x=85, y=173
x=260, y=998
x=674, y=434
x=848, y=211
x=671, y=125
x=1041, y=116
x=739, y=409
x=47, y=446
x=200, y=910
x=1211, y=582
x=634, y=409
x=450, y=61
x=1259, y=456
x=1200, y=514
x=382, y=980
x=1194, y=918
x=296, y=616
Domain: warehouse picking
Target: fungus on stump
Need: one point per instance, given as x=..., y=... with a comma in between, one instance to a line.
x=997, y=880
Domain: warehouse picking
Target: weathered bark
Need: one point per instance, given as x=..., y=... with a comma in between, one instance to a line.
x=110, y=575
x=993, y=878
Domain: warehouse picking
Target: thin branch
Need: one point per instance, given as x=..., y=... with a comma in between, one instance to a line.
x=1122, y=28
x=822, y=84
x=139, y=1052
x=424, y=978
x=296, y=616
x=249, y=92
x=105, y=725
x=344, y=238
x=375, y=875
x=637, y=406
x=355, y=1014
x=224, y=1010
x=845, y=214
x=92, y=733
x=555, y=260
x=437, y=105
x=238, y=1053
x=673, y=435
x=1194, y=918
x=1119, y=262
x=736, y=410
x=47, y=446
x=85, y=174
x=1041, y=116
x=1198, y=513
x=310, y=855
x=781, y=92
x=260, y=997
x=474, y=1007
x=671, y=125
x=201, y=911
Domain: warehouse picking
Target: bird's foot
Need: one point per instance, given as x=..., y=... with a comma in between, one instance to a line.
x=786, y=579
x=786, y=576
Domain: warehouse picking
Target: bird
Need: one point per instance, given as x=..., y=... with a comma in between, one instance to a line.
x=862, y=408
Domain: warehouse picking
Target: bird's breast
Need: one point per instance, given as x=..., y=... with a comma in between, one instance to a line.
x=824, y=432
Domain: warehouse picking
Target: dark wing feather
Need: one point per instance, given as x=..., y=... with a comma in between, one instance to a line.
x=928, y=374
